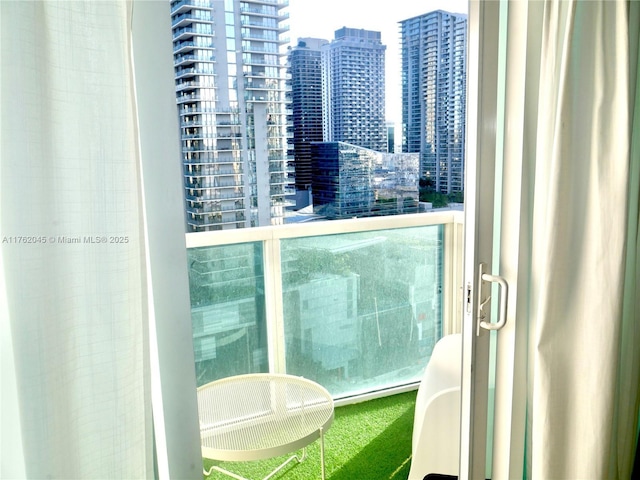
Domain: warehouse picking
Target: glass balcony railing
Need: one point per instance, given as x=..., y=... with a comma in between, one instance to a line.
x=356, y=305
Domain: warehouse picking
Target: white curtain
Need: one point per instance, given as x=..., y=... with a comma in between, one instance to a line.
x=582, y=154
x=74, y=316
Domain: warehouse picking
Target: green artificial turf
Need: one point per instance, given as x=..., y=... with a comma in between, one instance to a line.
x=369, y=440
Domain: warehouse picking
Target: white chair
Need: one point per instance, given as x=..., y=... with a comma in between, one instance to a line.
x=436, y=425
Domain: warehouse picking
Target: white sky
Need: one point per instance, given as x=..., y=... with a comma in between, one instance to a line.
x=321, y=18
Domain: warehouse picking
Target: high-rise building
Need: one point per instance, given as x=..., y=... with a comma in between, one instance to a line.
x=342, y=179
x=434, y=81
x=391, y=137
x=354, y=89
x=230, y=89
x=305, y=77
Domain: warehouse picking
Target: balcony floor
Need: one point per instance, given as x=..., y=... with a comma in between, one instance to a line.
x=369, y=440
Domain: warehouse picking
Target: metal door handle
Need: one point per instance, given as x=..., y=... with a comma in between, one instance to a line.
x=502, y=316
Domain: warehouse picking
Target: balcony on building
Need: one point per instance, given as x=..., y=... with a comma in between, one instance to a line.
x=356, y=305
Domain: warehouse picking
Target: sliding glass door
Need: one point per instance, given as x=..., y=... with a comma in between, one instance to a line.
x=492, y=413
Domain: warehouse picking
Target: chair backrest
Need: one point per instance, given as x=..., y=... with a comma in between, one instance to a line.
x=436, y=427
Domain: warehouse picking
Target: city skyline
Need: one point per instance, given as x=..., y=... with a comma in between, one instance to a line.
x=383, y=17
x=231, y=94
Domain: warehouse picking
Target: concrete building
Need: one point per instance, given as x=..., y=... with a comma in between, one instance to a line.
x=434, y=83
x=354, y=89
x=230, y=90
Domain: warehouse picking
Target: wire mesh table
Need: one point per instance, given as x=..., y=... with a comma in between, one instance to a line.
x=259, y=416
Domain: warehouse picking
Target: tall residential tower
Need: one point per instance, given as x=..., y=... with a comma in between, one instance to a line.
x=434, y=82
x=230, y=89
x=305, y=72
x=354, y=89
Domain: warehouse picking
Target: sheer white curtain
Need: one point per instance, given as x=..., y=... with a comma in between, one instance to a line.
x=580, y=197
x=74, y=316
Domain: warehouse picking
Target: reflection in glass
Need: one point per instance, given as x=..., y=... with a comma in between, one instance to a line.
x=362, y=311
x=227, y=310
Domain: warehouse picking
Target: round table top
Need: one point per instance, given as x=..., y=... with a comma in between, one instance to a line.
x=257, y=416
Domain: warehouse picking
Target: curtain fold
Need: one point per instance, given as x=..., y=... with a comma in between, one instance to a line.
x=71, y=228
x=628, y=407
x=584, y=312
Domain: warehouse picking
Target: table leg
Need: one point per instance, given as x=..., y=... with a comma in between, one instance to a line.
x=322, y=451
x=222, y=470
x=294, y=457
x=300, y=459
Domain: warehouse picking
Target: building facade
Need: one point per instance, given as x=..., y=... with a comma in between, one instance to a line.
x=354, y=89
x=395, y=183
x=351, y=181
x=305, y=95
x=391, y=137
x=230, y=90
x=342, y=179
x=434, y=84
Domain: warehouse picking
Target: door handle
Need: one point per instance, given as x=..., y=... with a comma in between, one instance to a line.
x=504, y=294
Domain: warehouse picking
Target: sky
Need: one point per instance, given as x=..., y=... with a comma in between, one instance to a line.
x=321, y=18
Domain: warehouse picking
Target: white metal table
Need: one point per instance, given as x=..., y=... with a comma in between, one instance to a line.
x=259, y=416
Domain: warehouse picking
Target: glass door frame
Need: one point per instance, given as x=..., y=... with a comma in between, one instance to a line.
x=493, y=431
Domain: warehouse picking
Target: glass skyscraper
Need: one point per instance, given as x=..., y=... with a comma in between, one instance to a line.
x=230, y=90
x=305, y=72
x=434, y=82
x=343, y=179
